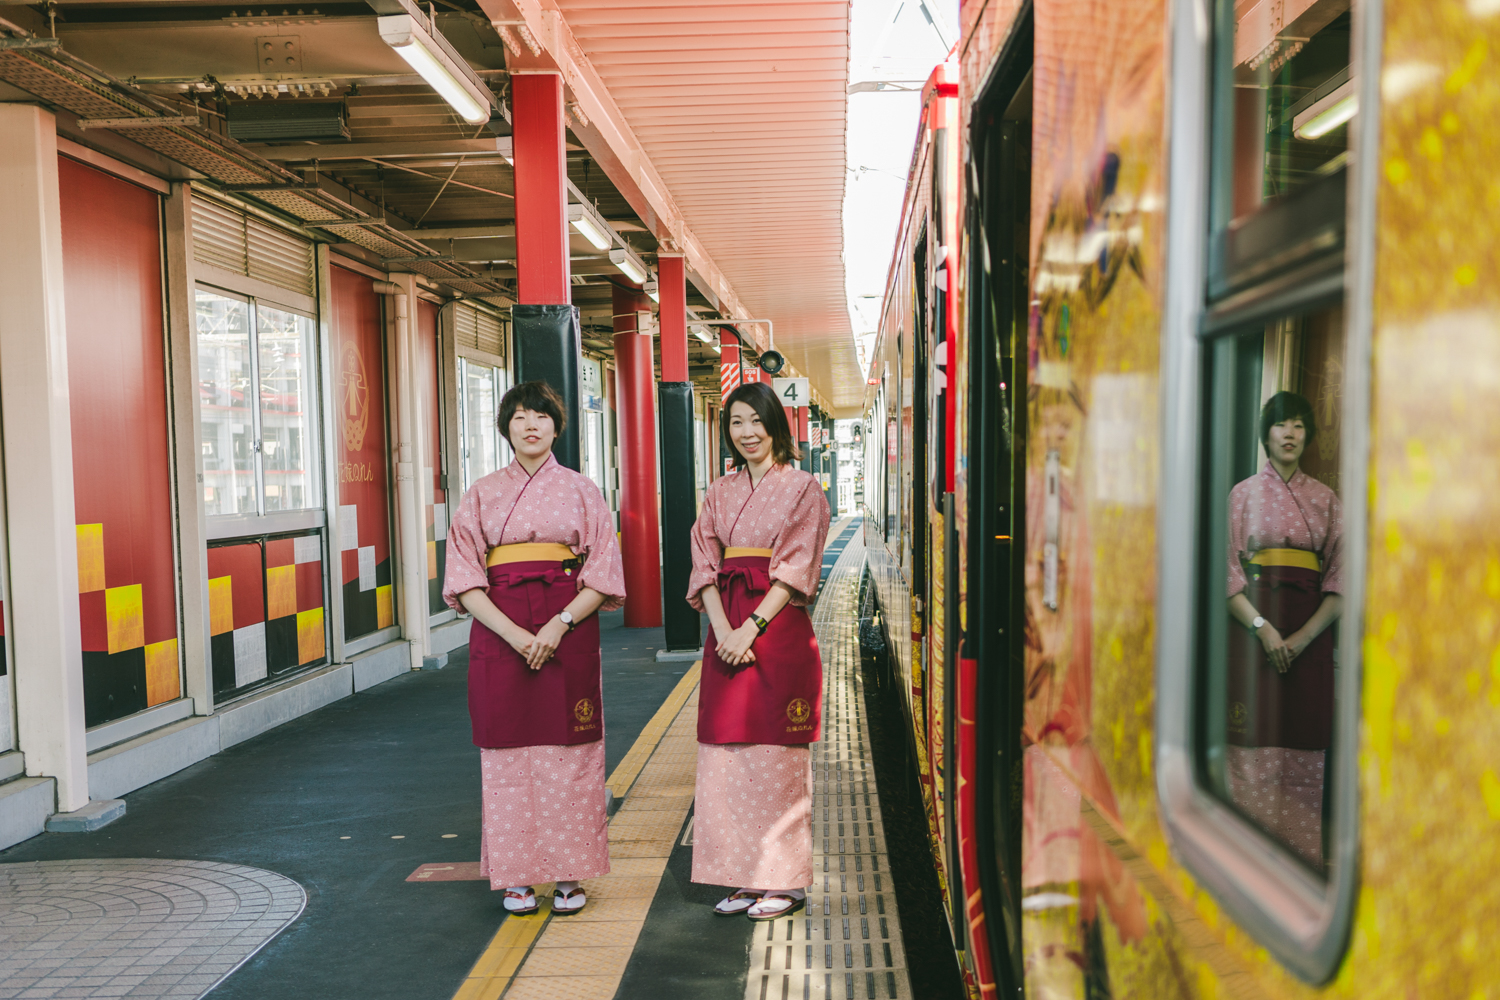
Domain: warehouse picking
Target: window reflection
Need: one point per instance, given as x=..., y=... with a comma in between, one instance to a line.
x=1275, y=462
x=484, y=450
x=227, y=430
x=1293, y=96
x=285, y=349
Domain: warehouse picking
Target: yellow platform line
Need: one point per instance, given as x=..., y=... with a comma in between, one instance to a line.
x=519, y=962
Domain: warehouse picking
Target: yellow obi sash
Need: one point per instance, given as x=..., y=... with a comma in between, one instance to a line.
x=1296, y=558
x=529, y=552
x=735, y=552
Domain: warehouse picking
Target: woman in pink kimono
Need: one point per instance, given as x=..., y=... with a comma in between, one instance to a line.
x=532, y=556
x=1285, y=580
x=757, y=559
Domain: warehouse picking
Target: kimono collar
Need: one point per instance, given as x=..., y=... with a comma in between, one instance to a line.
x=1270, y=470
x=776, y=469
x=518, y=471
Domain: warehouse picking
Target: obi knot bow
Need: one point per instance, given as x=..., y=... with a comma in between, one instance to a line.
x=755, y=578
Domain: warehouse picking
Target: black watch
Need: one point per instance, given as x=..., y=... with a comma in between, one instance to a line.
x=760, y=624
x=566, y=617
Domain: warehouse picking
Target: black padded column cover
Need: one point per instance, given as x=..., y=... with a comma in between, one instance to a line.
x=679, y=509
x=549, y=346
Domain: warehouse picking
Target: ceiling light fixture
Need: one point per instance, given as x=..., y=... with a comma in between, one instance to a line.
x=629, y=265
x=1327, y=114
x=701, y=332
x=591, y=228
x=442, y=70
x=652, y=289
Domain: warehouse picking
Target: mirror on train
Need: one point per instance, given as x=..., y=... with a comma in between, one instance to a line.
x=1273, y=574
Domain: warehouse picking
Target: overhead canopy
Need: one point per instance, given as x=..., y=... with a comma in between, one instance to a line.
x=740, y=107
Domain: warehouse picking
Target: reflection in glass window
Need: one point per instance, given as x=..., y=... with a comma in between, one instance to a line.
x=484, y=450
x=273, y=443
x=227, y=430
x=1275, y=573
x=1292, y=96
x=286, y=352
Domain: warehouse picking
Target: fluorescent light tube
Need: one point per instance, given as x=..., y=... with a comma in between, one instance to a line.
x=1327, y=114
x=425, y=55
x=652, y=289
x=589, y=228
x=628, y=265
x=701, y=332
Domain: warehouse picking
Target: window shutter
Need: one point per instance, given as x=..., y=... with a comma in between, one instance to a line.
x=228, y=238
x=478, y=330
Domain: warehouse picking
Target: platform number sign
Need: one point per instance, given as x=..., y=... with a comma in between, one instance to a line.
x=792, y=391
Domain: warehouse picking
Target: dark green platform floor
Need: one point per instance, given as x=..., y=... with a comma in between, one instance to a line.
x=395, y=760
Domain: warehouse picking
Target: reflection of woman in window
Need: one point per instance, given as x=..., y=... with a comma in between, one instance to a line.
x=1285, y=568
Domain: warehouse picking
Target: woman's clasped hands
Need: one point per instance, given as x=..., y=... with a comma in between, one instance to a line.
x=735, y=645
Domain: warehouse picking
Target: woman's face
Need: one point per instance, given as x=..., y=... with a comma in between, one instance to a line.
x=749, y=435
x=1286, y=440
x=531, y=433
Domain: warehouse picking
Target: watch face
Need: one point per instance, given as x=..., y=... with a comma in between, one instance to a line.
x=567, y=618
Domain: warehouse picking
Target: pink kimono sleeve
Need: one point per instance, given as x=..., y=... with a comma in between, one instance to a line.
x=708, y=552
x=467, y=552
x=798, y=557
x=1239, y=536
x=1333, y=549
x=603, y=570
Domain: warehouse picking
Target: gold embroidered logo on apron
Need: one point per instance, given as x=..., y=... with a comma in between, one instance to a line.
x=1239, y=715
x=584, y=710
x=798, y=710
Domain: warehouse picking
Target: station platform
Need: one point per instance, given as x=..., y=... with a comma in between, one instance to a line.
x=336, y=857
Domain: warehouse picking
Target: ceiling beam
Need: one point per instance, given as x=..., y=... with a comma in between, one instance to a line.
x=383, y=150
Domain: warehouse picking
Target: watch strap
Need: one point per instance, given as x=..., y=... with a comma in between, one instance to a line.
x=761, y=624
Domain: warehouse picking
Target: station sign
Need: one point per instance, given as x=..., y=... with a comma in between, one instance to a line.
x=792, y=391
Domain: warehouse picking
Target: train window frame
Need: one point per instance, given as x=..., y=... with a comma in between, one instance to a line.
x=1302, y=919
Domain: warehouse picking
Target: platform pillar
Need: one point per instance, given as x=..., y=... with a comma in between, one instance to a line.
x=43, y=545
x=679, y=507
x=544, y=325
x=640, y=542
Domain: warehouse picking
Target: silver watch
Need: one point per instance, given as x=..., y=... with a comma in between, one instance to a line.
x=1255, y=626
x=566, y=617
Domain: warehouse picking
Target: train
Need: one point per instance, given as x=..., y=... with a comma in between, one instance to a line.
x=1182, y=500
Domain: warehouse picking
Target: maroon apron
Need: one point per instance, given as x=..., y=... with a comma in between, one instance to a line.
x=778, y=699
x=511, y=705
x=1267, y=708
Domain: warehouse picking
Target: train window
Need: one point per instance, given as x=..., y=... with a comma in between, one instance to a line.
x=1284, y=101
x=1262, y=509
x=1273, y=570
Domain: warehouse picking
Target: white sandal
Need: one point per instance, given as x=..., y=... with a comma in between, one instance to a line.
x=738, y=902
x=777, y=904
x=568, y=901
x=520, y=900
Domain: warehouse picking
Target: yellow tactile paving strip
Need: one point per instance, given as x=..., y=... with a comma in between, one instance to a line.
x=583, y=956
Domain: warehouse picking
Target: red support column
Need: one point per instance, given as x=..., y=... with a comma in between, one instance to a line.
x=640, y=540
x=541, y=189
x=671, y=287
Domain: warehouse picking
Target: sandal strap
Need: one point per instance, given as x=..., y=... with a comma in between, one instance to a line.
x=559, y=894
x=512, y=894
x=745, y=894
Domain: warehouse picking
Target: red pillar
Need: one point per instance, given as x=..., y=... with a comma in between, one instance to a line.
x=671, y=287
x=640, y=539
x=541, y=189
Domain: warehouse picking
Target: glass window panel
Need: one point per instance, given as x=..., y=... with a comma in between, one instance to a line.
x=289, y=451
x=1272, y=575
x=1286, y=101
x=481, y=405
x=227, y=427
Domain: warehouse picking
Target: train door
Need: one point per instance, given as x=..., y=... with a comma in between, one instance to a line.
x=998, y=221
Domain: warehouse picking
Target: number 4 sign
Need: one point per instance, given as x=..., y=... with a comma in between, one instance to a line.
x=792, y=391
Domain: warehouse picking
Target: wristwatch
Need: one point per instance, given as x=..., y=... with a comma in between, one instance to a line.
x=566, y=617
x=1255, y=625
x=760, y=624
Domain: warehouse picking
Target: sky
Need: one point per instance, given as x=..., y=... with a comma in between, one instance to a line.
x=890, y=40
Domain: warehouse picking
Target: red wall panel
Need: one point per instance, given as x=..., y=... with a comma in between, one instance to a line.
x=359, y=385
x=111, y=234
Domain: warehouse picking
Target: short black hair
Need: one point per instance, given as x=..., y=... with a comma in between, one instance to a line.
x=537, y=396
x=1287, y=406
x=761, y=398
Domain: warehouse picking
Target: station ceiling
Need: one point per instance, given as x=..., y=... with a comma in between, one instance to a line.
x=707, y=128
